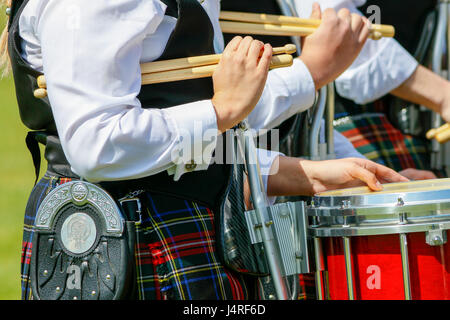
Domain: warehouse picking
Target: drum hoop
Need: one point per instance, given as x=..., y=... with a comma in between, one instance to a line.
x=343, y=231
x=383, y=212
x=421, y=186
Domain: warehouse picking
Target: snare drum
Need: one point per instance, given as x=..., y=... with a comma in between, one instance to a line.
x=388, y=245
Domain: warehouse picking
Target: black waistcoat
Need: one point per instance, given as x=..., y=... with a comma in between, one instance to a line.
x=193, y=35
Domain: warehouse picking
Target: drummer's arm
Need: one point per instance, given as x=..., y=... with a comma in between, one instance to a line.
x=294, y=176
x=426, y=88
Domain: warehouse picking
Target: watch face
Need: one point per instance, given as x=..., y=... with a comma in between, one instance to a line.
x=78, y=233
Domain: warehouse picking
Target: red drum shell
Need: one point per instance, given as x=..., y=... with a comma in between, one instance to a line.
x=377, y=268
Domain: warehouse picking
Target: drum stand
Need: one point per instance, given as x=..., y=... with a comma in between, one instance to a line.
x=441, y=47
x=324, y=107
x=281, y=228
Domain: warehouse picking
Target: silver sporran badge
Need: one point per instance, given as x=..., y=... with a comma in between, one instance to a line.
x=78, y=233
x=79, y=192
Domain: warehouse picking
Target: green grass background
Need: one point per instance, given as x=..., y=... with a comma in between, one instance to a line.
x=16, y=182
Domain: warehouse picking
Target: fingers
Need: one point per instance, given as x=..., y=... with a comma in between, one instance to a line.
x=344, y=15
x=426, y=175
x=366, y=176
x=233, y=44
x=357, y=23
x=230, y=49
x=387, y=175
x=382, y=173
x=329, y=16
x=415, y=174
x=244, y=46
x=316, y=11
x=365, y=30
x=255, y=51
x=247, y=51
x=264, y=62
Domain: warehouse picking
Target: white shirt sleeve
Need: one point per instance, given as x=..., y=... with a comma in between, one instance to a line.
x=91, y=58
x=343, y=148
x=268, y=164
x=381, y=66
x=287, y=91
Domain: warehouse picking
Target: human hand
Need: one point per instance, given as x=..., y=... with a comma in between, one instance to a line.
x=445, y=103
x=239, y=80
x=415, y=174
x=330, y=50
x=346, y=173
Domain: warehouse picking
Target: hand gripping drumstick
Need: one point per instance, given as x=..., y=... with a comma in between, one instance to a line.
x=183, y=63
x=443, y=136
x=279, y=61
x=431, y=134
x=187, y=68
x=267, y=24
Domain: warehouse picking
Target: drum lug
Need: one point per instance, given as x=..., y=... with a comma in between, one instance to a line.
x=436, y=237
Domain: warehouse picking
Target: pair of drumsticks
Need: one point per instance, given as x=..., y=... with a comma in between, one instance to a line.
x=274, y=25
x=239, y=23
x=441, y=134
x=186, y=68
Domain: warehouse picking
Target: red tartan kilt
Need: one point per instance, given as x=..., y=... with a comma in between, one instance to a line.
x=175, y=251
x=373, y=135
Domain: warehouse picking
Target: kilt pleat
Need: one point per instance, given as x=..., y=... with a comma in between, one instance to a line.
x=175, y=251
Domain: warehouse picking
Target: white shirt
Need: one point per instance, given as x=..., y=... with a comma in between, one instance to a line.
x=381, y=66
x=90, y=52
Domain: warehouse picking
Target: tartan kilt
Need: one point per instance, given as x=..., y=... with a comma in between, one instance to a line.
x=175, y=251
x=373, y=135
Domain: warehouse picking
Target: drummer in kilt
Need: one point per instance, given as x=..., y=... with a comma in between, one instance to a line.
x=99, y=124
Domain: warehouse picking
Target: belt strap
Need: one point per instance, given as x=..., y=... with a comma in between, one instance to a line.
x=32, y=140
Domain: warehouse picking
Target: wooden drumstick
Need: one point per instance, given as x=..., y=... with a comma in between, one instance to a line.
x=41, y=93
x=377, y=31
x=265, y=29
x=432, y=132
x=183, y=63
x=279, y=61
x=41, y=82
x=443, y=136
x=275, y=30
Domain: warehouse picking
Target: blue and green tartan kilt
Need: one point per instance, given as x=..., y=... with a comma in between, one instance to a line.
x=373, y=135
x=175, y=251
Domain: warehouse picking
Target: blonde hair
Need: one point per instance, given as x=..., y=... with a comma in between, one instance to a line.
x=5, y=63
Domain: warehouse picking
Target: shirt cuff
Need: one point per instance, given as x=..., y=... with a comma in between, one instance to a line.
x=196, y=126
x=268, y=163
x=299, y=83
